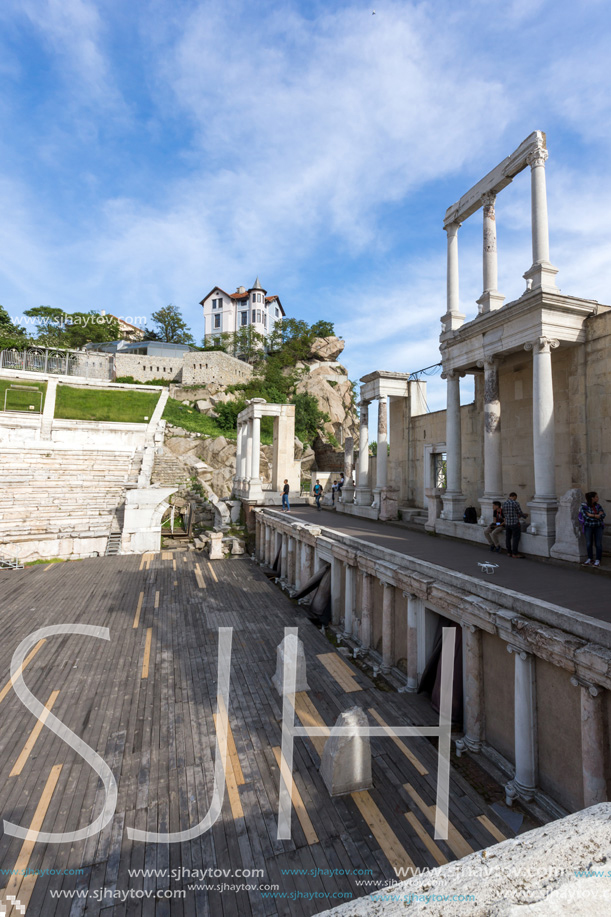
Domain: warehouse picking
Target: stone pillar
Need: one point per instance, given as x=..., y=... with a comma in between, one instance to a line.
x=453, y=318
x=524, y=783
x=544, y=504
x=258, y=550
x=453, y=499
x=256, y=450
x=387, y=622
x=413, y=605
x=493, y=459
x=473, y=704
x=366, y=611
x=349, y=600
x=592, y=742
x=336, y=590
x=290, y=561
x=490, y=299
x=284, y=557
x=348, y=488
x=239, y=452
x=542, y=274
x=382, y=455
x=363, y=493
x=268, y=544
x=248, y=458
x=306, y=562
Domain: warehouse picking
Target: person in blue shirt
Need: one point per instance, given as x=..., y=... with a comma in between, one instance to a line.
x=318, y=495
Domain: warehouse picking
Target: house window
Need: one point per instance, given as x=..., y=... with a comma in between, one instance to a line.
x=217, y=321
x=254, y=316
x=217, y=303
x=277, y=312
x=243, y=318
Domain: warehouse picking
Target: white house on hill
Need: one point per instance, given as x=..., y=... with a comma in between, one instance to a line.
x=229, y=312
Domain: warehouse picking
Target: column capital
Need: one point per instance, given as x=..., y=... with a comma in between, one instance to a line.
x=452, y=228
x=542, y=344
x=537, y=157
x=592, y=689
x=453, y=374
x=385, y=583
x=409, y=595
x=488, y=200
x=518, y=651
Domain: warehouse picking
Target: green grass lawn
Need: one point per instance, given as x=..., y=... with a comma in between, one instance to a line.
x=104, y=404
x=19, y=398
x=187, y=417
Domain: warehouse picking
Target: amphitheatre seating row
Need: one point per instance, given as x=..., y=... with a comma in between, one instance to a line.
x=59, y=492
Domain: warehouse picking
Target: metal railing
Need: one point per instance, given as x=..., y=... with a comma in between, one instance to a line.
x=12, y=562
x=58, y=362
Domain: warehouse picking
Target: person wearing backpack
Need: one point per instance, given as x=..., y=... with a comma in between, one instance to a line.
x=591, y=516
x=318, y=495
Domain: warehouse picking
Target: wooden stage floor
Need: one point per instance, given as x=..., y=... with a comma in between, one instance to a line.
x=145, y=702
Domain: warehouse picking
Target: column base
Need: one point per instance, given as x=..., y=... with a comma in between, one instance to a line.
x=543, y=516
x=410, y=688
x=452, y=321
x=363, y=496
x=466, y=743
x=541, y=276
x=485, y=502
x=515, y=790
x=490, y=301
x=453, y=507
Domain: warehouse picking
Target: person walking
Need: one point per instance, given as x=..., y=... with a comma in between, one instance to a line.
x=318, y=495
x=591, y=516
x=512, y=512
x=285, y=496
x=494, y=532
x=340, y=484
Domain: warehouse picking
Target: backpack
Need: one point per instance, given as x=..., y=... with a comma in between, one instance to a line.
x=470, y=515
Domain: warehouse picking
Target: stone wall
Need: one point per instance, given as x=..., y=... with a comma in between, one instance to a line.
x=196, y=368
x=214, y=366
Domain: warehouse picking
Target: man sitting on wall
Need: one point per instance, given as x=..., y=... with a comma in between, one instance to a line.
x=494, y=531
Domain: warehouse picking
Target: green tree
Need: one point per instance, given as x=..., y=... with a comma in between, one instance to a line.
x=72, y=330
x=171, y=326
x=11, y=334
x=323, y=329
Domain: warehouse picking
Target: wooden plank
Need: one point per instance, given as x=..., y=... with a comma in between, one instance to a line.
x=138, y=610
x=31, y=741
x=342, y=673
x=199, y=577
x=309, y=716
x=232, y=753
x=166, y=555
x=212, y=573
x=14, y=884
x=393, y=849
x=491, y=828
x=414, y=761
x=157, y=598
x=147, y=653
x=456, y=842
x=438, y=855
x=28, y=659
x=300, y=809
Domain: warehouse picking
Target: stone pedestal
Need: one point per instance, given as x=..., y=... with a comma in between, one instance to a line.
x=346, y=759
x=570, y=542
x=389, y=504
x=291, y=653
x=435, y=507
x=216, y=546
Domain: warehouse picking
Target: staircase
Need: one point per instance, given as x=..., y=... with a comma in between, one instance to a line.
x=413, y=517
x=11, y=563
x=168, y=470
x=113, y=546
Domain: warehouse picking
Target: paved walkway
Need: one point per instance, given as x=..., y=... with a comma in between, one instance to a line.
x=578, y=589
x=145, y=702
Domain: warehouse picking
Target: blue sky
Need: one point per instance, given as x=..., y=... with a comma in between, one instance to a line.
x=152, y=150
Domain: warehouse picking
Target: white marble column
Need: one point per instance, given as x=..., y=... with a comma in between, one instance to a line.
x=258, y=533
x=268, y=544
x=256, y=449
x=248, y=451
x=290, y=561
x=306, y=563
x=349, y=600
x=493, y=456
x=544, y=504
x=542, y=274
x=241, y=453
x=413, y=606
x=592, y=742
x=524, y=783
x=473, y=702
x=453, y=318
x=284, y=557
x=366, y=611
x=336, y=590
x=387, y=628
x=453, y=499
x=490, y=299
x=382, y=453
x=363, y=493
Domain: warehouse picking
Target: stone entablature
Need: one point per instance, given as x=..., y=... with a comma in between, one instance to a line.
x=383, y=602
